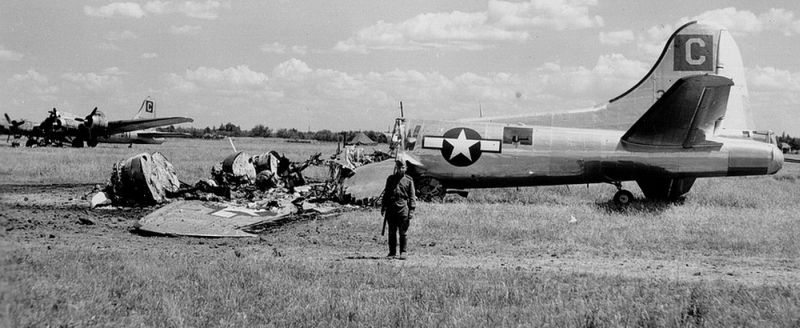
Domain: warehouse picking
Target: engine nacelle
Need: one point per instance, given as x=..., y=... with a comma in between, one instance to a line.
x=97, y=121
x=93, y=126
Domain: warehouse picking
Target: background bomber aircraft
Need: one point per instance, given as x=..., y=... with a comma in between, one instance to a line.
x=686, y=119
x=65, y=128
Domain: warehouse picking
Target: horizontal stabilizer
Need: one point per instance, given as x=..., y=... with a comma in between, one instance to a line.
x=684, y=115
x=159, y=134
x=141, y=124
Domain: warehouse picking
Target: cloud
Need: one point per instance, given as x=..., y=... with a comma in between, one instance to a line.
x=773, y=79
x=440, y=30
x=107, y=46
x=556, y=15
x=195, y=9
x=733, y=19
x=744, y=22
x=279, y=48
x=33, y=82
x=502, y=22
x=349, y=100
x=737, y=22
x=185, y=30
x=149, y=55
x=117, y=35
x=107, y=79
x=229, y=80
x=616, y=38
x=9, y=55
x=774, y=98
x=300, y=50
x=611, y=75
x=123, y=9
x=30, y=75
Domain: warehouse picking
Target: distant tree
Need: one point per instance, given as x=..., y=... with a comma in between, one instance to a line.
x=324, y=135
x=260, y=131
x=282, y=133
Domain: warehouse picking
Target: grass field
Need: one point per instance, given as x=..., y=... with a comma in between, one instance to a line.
x=192, y=158
x=728, y=255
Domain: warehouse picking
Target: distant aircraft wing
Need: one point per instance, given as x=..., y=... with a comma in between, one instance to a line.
x=159, y=134
x=141, y=124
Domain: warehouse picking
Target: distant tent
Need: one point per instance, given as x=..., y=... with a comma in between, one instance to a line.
x=785, y=147
x=361, y=139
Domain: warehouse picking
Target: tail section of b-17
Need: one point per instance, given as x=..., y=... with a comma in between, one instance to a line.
x=694, y=48
x=664, y=151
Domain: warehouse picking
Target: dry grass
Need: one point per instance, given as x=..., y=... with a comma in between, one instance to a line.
x=80, y=287
x=314, y=273
x=192, y=158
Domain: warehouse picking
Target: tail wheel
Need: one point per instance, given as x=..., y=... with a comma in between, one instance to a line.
x=430, y=189
x=623, y=197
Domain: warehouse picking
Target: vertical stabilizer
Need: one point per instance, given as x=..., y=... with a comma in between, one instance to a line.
x=695, y=48
x=146, y=110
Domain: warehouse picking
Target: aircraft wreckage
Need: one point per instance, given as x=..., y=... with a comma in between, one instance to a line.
x=245, y=194
x=687, y=119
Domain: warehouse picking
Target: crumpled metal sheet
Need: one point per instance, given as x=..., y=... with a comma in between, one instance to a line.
x=202, y=219
x=367, y=184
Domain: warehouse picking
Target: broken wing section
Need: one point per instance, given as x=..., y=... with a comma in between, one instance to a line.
x=685, y=116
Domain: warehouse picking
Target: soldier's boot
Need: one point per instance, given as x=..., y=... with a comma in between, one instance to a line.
x=402, y=247
x=392, y=246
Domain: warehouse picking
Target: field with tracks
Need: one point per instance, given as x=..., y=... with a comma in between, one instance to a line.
x=727, y=255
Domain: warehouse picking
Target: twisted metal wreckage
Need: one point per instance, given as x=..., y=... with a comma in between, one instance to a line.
x=246, y=194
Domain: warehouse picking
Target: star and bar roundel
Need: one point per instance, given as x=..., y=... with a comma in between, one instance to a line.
x=462, y=146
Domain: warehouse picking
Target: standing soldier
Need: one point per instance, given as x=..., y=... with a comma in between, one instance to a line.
x=398, y=206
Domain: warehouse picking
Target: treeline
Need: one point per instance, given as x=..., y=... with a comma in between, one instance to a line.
x=262, y=131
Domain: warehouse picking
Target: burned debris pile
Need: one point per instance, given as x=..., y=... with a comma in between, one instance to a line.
x=144, y=178
x=244, y=193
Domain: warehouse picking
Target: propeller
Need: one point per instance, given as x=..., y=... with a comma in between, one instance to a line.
x=13, y=125
x=13, y=122
x=89, y=117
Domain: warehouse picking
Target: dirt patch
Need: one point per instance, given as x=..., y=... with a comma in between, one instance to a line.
x=48, y=215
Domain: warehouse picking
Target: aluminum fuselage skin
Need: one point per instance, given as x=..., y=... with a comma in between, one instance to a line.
x=130, y=138
x=555, y=156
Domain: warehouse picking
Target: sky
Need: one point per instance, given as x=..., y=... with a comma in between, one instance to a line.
x=346, y=65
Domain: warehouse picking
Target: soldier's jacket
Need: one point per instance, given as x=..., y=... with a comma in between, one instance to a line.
x=398, y=196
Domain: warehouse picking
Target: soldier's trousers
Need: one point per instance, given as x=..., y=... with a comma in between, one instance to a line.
x=397, y=226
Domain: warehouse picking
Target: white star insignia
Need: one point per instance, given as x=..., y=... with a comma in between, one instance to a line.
x=461, y=145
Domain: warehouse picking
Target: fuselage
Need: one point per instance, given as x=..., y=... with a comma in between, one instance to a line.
x=538, y=155
x=130, y=138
